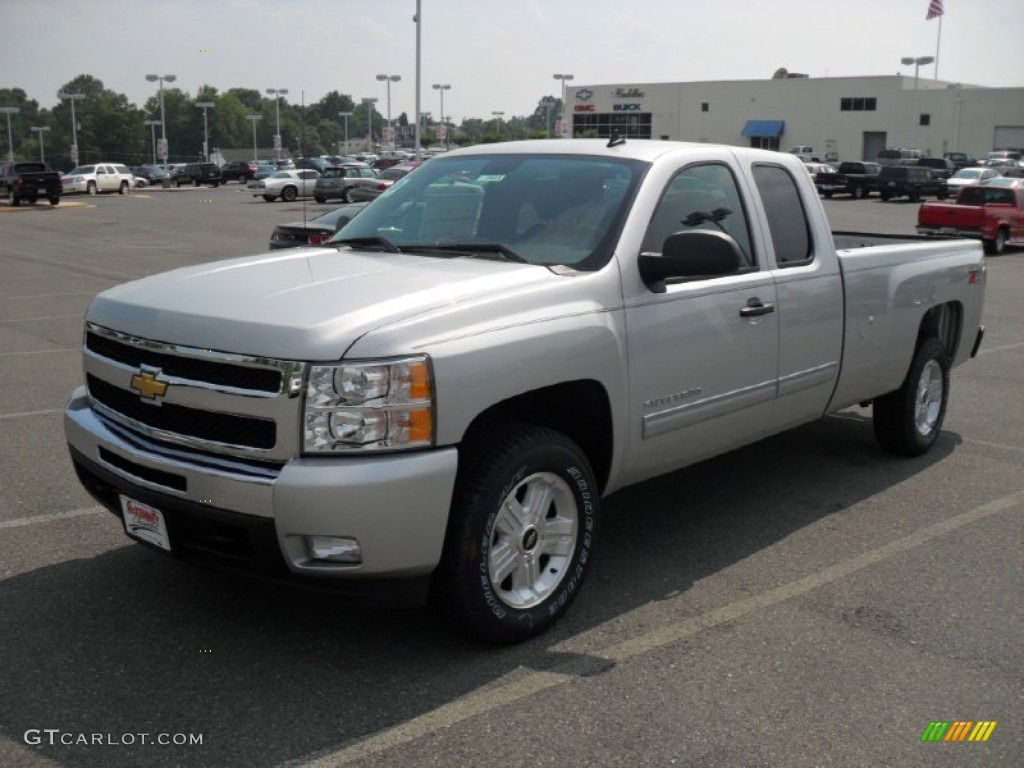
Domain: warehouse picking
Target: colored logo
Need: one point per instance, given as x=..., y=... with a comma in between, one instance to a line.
x=958, y=730
x=148, y=386
x=626, y=107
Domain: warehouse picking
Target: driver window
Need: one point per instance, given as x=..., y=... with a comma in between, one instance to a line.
x=701, y=197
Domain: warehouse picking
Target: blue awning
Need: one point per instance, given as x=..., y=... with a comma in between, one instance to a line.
x=764, y=128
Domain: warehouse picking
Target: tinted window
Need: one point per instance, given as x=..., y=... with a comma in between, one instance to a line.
x=787, y=219
x=700, y=197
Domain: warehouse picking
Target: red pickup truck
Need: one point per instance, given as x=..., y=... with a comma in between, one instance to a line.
x=993, y=214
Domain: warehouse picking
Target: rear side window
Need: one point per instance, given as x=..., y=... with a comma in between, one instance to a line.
x=787, y=219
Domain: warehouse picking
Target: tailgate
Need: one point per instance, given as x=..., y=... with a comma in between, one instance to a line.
x=950, y=215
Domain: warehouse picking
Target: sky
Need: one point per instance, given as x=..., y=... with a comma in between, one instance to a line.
x=497, y=55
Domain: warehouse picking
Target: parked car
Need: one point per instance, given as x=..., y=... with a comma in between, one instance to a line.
x=961, y=159
x=967, y=176
x=387, y=177
x=337, y=181
x=199, y=173
x=851, y=178
x=263, y=169
x=1005, y=166
x=284, y=164
x=807, y=154
x=29, y=180
x=992, y=214
x=819, y=168
x=243, y=172
x=315, y=231
x=101, y=177
x=317, y=164
x=287, y=185
x=941, y=166
x=153, y=174
x=910, y=181
x=898, y=156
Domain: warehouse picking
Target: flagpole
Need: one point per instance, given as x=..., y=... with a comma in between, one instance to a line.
x=938, y=42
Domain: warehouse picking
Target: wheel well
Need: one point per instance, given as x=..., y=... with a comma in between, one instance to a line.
x=943, y=322
x=578, y=409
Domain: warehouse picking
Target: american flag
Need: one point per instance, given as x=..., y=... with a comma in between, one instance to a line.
x=934, y=9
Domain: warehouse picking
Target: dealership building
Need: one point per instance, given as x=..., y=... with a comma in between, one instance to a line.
x=844, y=118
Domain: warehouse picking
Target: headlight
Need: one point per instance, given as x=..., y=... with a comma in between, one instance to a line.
x=382, y=405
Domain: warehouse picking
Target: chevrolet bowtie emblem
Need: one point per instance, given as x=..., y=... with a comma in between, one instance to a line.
x=148, y=386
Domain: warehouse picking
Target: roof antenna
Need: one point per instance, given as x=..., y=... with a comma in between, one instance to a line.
x=616, y=140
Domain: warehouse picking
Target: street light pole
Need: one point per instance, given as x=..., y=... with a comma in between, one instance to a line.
x=40, y=130
x=205, y=105
x=152, y=131
x=389, y=79
x=369, y=101
x=163, y=118
x=442, y=88
x=73, y=97
x=10, y=136
x=346, y=116
x=277, y=93
x=565, y=118
x=917, y=62
x=255, y=147
x=497, y=123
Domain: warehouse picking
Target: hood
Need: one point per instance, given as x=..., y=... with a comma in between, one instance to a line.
x=302, y=303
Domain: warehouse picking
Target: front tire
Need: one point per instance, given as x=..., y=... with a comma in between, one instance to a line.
x=858, y=192
x=90, y=188
x=908, y=421
x=268, y=198
x=520, y=535
x=54, y=201
x=12, y=199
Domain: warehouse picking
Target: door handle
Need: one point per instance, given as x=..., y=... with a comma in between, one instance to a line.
x=756, y=308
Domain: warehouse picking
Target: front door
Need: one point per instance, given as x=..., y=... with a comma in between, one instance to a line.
x=703, y=365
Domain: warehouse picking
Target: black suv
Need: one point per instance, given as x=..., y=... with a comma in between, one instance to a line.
x=910, y=181
x=941, y=166
x=199, y=173
x=242, y=172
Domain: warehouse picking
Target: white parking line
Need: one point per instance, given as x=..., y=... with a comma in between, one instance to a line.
x=480, y=703
x=989, y=350
x=39, y=317
x=22, y=522
x=26, y=414
x=40, y=351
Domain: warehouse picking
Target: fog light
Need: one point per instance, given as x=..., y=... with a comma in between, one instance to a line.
x=334, y=549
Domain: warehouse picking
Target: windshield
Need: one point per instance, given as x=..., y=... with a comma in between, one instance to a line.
x=967, y=173
x=540, y=209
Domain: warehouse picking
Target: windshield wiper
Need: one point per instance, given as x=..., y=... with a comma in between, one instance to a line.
x=496, y=248
x=381, y=242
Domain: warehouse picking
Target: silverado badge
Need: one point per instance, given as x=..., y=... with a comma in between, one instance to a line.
x=148, y=386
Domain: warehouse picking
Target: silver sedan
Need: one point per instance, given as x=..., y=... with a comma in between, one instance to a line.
x=286, y=185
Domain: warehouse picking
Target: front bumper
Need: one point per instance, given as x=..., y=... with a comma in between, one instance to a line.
x=257, y=515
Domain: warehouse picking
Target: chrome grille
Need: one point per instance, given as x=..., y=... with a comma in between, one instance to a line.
x=212, y=402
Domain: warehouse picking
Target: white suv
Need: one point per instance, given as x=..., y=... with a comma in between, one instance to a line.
x=101, y=177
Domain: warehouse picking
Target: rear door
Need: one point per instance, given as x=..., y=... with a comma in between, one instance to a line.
x=810, y=297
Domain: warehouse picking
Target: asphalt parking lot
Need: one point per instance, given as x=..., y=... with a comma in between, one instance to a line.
x=806, y=601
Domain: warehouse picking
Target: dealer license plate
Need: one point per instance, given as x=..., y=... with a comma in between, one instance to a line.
x=947, y=231
x=145, y=523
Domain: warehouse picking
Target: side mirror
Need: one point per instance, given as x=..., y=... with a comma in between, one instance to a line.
x=689, y=255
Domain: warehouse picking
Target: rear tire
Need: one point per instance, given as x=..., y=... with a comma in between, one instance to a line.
x=269, y=198
x=858, y=192
x=908, y=421
x=346, y=197
x=520, y=534
x=828, y=195
x=12, y=199
x=885, y=197
x=54, y=201
x=288, y=194
x=320, y=198
x=123, y=189
x=993, y=247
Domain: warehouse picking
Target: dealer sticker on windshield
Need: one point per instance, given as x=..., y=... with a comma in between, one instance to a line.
x=144, y=523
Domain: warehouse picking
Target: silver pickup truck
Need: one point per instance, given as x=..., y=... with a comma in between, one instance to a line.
x=440, y=398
